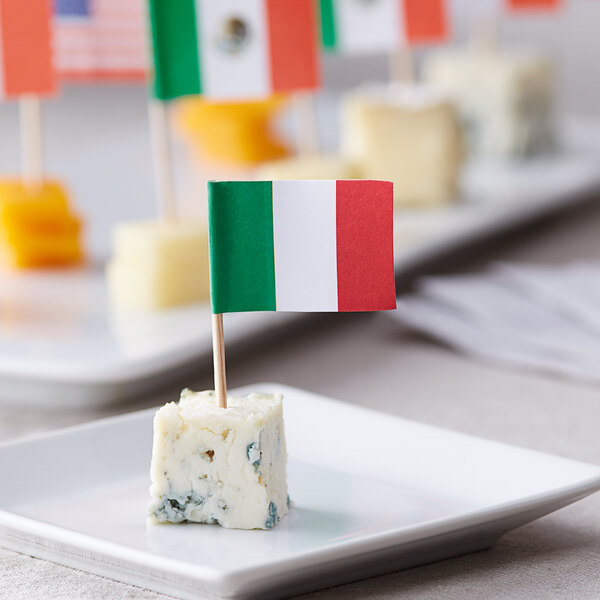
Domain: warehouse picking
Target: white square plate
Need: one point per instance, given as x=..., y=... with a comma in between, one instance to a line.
x=373, y=493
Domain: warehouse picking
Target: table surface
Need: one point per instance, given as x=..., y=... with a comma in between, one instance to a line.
x=371, y=361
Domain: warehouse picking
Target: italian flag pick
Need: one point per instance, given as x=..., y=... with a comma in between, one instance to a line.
x=25, y=54
x=233, y=49
x=360, y=26
x=319, y=245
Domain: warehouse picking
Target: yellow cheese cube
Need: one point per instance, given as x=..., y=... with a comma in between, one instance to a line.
x=158, y=264
x=41, y=250
x=37, y=228
x=32, y=204
x=407, y=135
x=233, y=133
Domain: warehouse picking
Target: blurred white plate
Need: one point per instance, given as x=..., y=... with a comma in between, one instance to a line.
x=373, y=493
x=499, y=196
x=62, y=346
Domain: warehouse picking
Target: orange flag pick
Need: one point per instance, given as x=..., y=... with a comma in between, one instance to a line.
x=27, y=72
x=534, y=5
x=25, y=52
x=426, y=21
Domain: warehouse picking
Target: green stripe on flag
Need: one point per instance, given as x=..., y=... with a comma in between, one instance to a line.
x=242, y=260
x=175, y=48
x=328, y=24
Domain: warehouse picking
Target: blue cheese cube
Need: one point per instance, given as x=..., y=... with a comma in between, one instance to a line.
x=505, y=99
x=225, y=466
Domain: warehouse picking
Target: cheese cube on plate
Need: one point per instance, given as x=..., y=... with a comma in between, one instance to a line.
x=37, y=227
x=224, y=466
x=158, y=264
x=409, y=135
x=505, y=98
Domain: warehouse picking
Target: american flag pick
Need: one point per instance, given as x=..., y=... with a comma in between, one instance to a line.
x=101, y=39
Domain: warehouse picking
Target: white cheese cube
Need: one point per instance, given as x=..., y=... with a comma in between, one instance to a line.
x=220, y=465
x=157, y=264
x=325, y=166
x=505, y=98
x=409, y=135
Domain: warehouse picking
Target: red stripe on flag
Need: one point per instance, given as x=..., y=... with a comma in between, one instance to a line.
x=293, y=44
x=518, y=5
x=26, y=53
x=90, y=75
x=365, y=248
x=426, y=21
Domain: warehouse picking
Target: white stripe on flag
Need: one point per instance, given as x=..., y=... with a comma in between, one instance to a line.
x=372, y=26
x=228, y=74
x=304, y=235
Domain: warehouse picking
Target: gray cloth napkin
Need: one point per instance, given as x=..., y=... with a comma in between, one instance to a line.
x=543, y=318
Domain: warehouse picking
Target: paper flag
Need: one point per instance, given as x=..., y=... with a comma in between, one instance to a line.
x=426, y=21
x=321, y=246
x=361, y=27
x=25, y=54
x=100, y=39
x=233, y=49
x=533, y=5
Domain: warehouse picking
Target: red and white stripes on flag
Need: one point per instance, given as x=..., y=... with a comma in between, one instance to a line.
x=319, y=245
x=360, y=26
x=234, y=49
x=101, y=39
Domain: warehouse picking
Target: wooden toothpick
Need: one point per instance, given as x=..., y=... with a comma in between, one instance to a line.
x=483, y=35
x=305, y=117
x=484, y=32
x=32, y=158
x=401, y=66
x=163, y=165
x=219, y=359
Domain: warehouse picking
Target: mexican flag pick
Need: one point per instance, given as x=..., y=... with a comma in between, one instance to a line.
x=301, y=246
x=25, y=53
x=233, y=49
x=360, y=26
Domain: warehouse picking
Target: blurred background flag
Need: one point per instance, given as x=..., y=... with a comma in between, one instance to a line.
x=426, y=21
x=233, y=49
x=25, y=53
x=100, y=39
x=363, y=26
x=316, y=245
x=534, y=4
